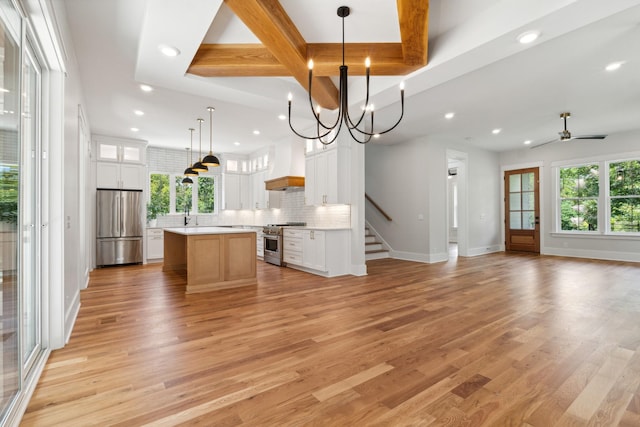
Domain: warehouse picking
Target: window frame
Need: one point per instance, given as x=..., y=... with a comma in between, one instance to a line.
x=194, y=193
x=604, y=197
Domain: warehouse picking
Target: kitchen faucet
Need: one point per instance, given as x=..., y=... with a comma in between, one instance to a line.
x=186, y=216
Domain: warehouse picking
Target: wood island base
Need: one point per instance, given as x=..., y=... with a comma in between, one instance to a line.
x=211, y=257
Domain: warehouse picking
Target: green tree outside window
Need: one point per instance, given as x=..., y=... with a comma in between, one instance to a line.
x=579, y=190
x=206, y=195
x=624, y=196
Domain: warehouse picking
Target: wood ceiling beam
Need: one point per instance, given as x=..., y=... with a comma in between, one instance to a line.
x=255, y=60
x=414, y=25
x=272, y=26
x=233, y=60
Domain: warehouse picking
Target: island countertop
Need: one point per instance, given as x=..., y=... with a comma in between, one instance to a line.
x=212, y=257
x=197, y=231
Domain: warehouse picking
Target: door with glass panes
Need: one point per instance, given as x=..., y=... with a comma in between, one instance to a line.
x=522, y=210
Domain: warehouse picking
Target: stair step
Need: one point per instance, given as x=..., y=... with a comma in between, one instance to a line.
x=372, y=246
x=369, y=239
x=377, y=254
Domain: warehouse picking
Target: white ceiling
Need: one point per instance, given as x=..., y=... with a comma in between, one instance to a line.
x=476, y=69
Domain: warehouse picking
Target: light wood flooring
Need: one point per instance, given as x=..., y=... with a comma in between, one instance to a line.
x=496, y=340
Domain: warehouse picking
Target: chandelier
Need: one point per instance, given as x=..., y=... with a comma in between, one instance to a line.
x=361, y=130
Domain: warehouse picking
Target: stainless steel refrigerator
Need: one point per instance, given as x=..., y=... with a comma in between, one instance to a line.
x=119, y=227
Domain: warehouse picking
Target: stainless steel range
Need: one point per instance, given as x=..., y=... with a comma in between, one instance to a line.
x=273, y=241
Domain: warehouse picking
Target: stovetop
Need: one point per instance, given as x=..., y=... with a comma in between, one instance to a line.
x=277, y=228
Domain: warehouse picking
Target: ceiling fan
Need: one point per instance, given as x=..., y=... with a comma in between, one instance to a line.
x=565, y=135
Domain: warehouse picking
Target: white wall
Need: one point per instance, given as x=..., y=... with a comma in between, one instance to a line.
x=614, y=147
x=410, y=179
x=76, y=167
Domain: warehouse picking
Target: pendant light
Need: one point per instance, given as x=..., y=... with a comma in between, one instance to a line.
x=189, y=171
x=198, y=166
x=186, y=180
x=210, y=160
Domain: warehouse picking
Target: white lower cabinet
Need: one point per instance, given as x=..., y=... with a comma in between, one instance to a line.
x=313, y=249
x=155, y=243
x=323, y=252
x=292, y=247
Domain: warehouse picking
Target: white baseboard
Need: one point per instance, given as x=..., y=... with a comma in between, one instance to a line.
x=358, y=269
x=584, y=253
x=418, y=257
x=71, y=316
x=484, y=250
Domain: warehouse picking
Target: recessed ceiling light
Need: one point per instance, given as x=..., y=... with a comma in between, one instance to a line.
x=528, y=37
x=256, y=132
x=146, y=88
x=377, y=135
x=134, y=129
x=236, y=143
x=282, y=117
x=496, y=131
x=138, y=112
x=527, y=142
x=614, y=66
x=3, y=90
x=449, y=116
x=169, y=50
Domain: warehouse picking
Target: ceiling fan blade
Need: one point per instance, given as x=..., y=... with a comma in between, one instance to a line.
x=545, y=143
x=589, y=137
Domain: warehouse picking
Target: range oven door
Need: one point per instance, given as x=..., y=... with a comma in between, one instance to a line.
x=273, y=249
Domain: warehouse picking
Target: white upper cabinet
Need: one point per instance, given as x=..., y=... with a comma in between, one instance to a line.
x=120, y=176
x=327, y=177
x=236, y=191
x=109, y=149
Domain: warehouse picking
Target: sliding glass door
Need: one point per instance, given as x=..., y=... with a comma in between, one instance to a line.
x=30, y=208
x=20, y=215
x=10, y=193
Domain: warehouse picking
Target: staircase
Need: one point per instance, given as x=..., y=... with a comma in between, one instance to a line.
x=373, y=249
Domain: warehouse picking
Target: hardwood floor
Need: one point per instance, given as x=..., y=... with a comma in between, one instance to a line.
x=496, y=340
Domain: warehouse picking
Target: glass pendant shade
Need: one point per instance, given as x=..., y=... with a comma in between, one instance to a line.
x=210, y=160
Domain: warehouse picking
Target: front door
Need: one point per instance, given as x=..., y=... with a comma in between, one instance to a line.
x=522, y=210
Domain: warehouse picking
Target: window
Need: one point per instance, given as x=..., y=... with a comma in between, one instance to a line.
x=206, y=194
x=579, y=192
x=166, y=198
x=159, y=193
x=624, y=196
x=184, y=196
x=606, y=203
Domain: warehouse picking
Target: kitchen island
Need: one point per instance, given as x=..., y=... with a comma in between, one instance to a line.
x=211, y=257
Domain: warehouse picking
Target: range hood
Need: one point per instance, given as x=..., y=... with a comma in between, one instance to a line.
x=284, y=183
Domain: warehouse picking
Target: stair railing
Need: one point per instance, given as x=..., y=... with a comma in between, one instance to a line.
x=375, y=205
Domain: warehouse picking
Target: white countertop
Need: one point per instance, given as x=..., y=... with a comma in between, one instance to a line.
x=194, y=231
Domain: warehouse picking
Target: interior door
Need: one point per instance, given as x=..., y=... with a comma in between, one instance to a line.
x=522, y=210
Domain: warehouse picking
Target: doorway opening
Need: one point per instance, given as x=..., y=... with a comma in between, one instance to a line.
x=456, y=190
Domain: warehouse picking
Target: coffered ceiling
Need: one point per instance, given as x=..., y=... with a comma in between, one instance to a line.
x=244, y=56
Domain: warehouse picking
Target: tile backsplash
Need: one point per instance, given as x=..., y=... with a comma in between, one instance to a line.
x=292, y=208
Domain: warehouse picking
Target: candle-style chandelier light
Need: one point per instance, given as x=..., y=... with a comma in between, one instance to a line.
x=361, y=130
